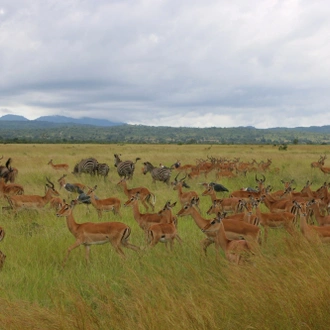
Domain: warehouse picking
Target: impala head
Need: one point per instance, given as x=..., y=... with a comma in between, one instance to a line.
x=132, y=200
x=186, y=209
x=51, y=187
x=208, y=191
x=167, y=206
x=91, y=190
x=66, y=209
x=122, y=182
x=214, y=208
x=261, y=180
x=181, y=182
x=213, y=225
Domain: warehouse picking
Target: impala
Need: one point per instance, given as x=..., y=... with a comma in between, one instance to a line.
x=164, y=233
x=247, y=214
x=325, y=170
x=58, y=167
x=319, y=163
x=184, y=197
x=235, y=229
x=19, y=202
x=274, y=220
x=322, y=220
x=234, y=250
x=145, y=220
x=312, y=233
x=248, y=194
x=108, y=204
x=90, y=233
x=56, y=203
x=146, y=197
x=232, y=205
x=10, y=188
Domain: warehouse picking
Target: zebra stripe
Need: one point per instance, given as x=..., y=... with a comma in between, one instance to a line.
x=162, y=174
x=103, y=169
x=88, y=165
x=126, y=168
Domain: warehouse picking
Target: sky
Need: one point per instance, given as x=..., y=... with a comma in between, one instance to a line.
x=187, y=63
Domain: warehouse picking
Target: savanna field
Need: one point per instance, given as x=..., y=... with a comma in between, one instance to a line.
x=284, y=286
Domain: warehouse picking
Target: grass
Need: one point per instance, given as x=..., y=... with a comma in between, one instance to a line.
x=284, y=287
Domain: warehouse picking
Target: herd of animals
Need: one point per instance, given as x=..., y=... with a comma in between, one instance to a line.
x=235, y=227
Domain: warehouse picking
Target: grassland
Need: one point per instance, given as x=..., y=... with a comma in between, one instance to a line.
x=285, y=287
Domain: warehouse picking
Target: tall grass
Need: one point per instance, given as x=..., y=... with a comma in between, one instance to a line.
x=286, y=285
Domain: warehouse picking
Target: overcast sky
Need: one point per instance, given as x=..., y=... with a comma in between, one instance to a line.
x=167, y=62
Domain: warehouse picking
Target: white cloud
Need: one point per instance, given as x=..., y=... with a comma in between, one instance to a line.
x=187, y=63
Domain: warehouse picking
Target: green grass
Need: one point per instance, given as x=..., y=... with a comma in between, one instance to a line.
x=286, y=286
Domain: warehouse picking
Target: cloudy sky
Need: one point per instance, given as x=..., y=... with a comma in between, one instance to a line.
x=196, y=63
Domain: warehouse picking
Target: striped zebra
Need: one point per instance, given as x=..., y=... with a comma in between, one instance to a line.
x=162, y=174
x=87, y=165
x=126, y=168
x=102, y=169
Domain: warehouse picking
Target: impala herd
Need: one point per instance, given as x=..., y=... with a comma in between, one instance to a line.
x=239, y=226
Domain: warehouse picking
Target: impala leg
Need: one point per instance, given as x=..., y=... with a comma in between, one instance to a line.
x=75, y=245
x=145, y=204
x=87, y=250
x=205, y=244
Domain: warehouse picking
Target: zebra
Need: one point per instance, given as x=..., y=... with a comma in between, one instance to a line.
x=87, y=165
x=162, y=174
x=102, y=169
x=126, y=168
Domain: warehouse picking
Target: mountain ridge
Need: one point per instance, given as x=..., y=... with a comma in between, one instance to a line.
x=63, y=120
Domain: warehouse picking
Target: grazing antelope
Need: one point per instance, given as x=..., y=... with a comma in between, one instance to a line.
x=267, y=220
x=235, y=229
x=319, y=163
x=235, y=250
x=19, y=202
x=164, y=232
x=184, y=197
x=322, y=220
x=145, y=220
x=325, y=170
x=56, y=203
x=248, y=194
x=7, y=172
x=58, y=167
x=108, y=204
x=10, y=188
x=146, y=197
x=311, y=233
x=89, y=233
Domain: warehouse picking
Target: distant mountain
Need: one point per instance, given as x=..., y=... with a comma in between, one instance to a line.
x=63, y=120
x=13, y=118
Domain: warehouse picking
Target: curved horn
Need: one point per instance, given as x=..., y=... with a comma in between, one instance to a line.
x=175, y=179
x=183, y=178
x=51, y=183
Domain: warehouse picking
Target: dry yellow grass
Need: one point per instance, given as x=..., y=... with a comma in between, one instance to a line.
x=285, y=286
